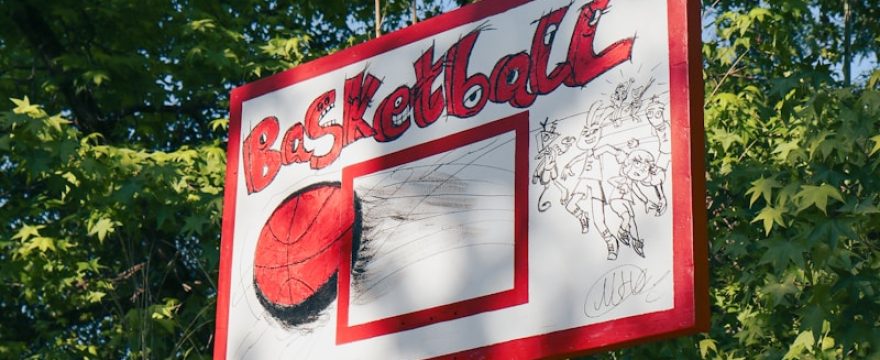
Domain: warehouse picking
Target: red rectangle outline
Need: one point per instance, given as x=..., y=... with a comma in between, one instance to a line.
x=519, y=294
x=690, y=313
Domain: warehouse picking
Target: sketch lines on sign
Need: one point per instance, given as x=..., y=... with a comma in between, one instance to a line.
x=617, y=159
x=430, y=225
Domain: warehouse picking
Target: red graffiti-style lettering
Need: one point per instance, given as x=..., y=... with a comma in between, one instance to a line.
x=585, y=62
x=542, y=42
x=389, y=121
x=315, y=130
x=465, y=96
x=261, y=163
x=358, y=93
x=510, y=82
x=517, y=79
x=293, y=149
x=427, y=104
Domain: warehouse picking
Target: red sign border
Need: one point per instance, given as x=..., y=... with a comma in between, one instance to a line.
x=690, y=312
x=518, y=295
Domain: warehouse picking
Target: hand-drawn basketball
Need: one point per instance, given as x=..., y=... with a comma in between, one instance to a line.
x=297, y=254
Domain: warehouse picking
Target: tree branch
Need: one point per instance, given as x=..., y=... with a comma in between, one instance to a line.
x=378, y=19
x=847, y=40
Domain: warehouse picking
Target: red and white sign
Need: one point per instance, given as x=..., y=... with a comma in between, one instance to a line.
x=513, y=179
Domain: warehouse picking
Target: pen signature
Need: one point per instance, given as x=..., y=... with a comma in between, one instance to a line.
x=619, y=285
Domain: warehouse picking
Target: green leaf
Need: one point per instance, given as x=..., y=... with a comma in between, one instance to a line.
x=706, y=345
x=166, y=310
x=813, y=316
x=726, y=139
x=803, y=343
x=762, y=187
x=769, y=215
x=817, y=196
x=97, y=77
x=27, y=231
x=759, y=13
x=726, y=100
x=782, y=251
x=102, y=227
x=67, y=148
x=876, y=140
x=787, y=193
x=194, y=224
x=71, y=178
x=782, y=85
x=790, y=151
x=874, y=79
x=202, y=25
x=828, y=342
x=823, y=144
x=778, y=290
x=24, y=106
x=751, y=330
x=91, y=265
x=42, y=243
x=221, y=124
x=830, y=231
x=865, y=209
x=95, y=296
x=162, y=215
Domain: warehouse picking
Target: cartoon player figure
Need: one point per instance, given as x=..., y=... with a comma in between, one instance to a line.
x=547, y=171
x=634, y=105
x=587, y=194
x=654, y=111
x=617, y=110
x=642, y=177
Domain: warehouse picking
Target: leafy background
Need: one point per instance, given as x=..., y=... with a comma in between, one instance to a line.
x=112, y=164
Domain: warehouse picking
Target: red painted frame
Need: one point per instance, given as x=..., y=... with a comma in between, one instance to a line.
x=518, y=295
x=690, y=264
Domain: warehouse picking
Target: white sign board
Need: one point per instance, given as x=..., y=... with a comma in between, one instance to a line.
x=511, y=179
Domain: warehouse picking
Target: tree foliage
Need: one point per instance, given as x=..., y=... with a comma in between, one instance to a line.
x=112, y=163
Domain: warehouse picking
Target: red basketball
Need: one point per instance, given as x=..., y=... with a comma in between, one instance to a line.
x=298, y=251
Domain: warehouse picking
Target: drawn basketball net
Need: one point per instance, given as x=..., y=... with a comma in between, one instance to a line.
x=449, y=214
x=437, y=232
